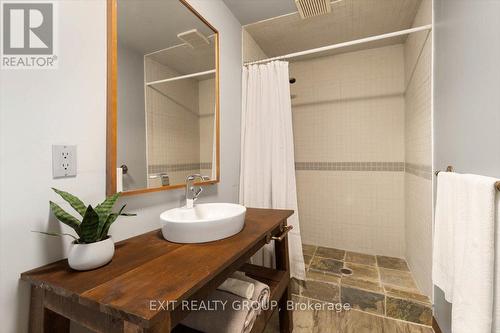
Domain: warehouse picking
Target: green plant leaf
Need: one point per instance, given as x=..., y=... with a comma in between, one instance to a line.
x=75, y=202
x=120, y=212
x=104, y=208
x=55, y=234
x=90, y=226
x=64, y=217
x=104, y=211
x=109, y=221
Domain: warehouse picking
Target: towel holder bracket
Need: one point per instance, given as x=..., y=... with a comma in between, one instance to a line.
x=284, y=231
x=449, y=168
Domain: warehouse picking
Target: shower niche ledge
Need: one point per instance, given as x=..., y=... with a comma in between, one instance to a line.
x=147, y=268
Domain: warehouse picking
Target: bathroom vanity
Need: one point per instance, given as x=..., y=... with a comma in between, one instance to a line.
x=148, y=273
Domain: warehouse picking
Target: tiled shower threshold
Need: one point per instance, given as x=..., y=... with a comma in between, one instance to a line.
x=379, y=287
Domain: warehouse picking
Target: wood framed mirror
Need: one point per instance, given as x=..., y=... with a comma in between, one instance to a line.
x=162, y=96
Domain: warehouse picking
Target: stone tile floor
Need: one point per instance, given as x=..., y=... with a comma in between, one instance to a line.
x=352, y=321
x=378, y=289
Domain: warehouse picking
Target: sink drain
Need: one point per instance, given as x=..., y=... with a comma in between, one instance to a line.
x=346, y=271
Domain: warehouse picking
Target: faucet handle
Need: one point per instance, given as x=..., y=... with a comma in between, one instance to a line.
x=196, y=192
x=192, y=190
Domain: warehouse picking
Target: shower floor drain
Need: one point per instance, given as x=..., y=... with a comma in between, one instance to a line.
x=346, y=271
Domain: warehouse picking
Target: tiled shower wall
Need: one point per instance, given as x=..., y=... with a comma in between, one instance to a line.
x=348, y=116
x=173, y=132
x=362, y=135
x=251, y=50
x=418, y=151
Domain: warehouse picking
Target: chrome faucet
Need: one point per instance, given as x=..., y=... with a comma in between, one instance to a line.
x=192, y=191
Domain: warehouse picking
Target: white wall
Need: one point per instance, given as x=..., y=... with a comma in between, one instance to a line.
x=131, y=120
x=40, y=108
x=467, y=81
x=466, y=95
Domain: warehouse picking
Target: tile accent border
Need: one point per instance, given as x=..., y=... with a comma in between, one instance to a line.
x=205, y=165
x=351, y=166
x=419, y=170
x=178, y=167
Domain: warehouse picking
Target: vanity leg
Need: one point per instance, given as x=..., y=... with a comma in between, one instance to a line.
x=285, y=315
x=36, y=310
x=42, y=319
x=283, y=263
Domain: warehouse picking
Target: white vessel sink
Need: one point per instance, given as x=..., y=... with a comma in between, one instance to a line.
x=202, y=223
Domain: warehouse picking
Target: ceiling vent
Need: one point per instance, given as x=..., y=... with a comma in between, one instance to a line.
x=311, y=8
x=193, y=38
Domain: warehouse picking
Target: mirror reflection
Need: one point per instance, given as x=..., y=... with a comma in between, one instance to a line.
x=166, y=95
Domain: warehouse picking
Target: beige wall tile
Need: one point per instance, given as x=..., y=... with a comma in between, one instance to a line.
x=414, y=42
x=353, y=210
x=418, y=150
x=350, y=108
x=180, y=122
x=172, y=124
x=251, y=50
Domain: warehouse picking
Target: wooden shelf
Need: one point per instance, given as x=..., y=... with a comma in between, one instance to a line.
x=276, y=280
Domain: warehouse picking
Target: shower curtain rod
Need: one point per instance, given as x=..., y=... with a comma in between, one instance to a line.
x=344, y=44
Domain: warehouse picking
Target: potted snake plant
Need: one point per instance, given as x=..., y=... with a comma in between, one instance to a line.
x=93, y=247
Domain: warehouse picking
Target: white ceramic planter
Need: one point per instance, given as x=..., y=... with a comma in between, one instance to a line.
x=83, y=257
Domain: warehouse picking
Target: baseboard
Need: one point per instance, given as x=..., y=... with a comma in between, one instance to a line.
x=435, y=326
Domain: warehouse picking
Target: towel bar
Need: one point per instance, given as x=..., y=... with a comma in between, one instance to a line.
x=284, y=230
x=450, y=169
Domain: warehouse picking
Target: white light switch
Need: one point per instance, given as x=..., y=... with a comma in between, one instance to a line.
x=63, y=161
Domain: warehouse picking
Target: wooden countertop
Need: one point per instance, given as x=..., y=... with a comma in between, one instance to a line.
x=148, y=268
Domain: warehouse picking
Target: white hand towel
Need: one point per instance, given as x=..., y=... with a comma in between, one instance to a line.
x=447, y=207
x=464, y=249
x=262, y=292
x=250, y=320
x=234, y=317
x=496, y=297
x=238, y=287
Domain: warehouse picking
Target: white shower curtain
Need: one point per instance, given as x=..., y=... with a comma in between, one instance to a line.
x=267, y=177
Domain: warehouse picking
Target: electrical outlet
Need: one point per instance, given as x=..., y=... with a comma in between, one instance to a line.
x=63, y=161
